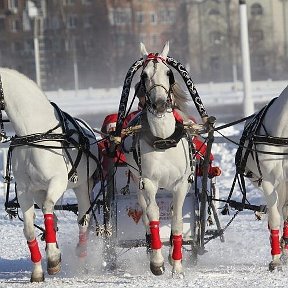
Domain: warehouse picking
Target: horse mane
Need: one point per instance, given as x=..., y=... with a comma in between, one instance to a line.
x=180, y=99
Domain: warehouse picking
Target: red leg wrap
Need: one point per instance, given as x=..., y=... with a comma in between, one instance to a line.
x=50, y=233
x=83, y=237
x=155, y=235
x=177, y=247
x=275, y=242
x=285, y=233
x=34, y=251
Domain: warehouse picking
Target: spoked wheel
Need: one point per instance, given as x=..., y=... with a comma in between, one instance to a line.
x=199, y=222
x=109, y=210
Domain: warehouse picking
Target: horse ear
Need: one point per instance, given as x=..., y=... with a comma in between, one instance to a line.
x=143, y=50
x=165, y=50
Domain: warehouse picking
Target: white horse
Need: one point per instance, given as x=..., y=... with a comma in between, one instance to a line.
x=271, y=173
x=42, y=173
x=167, y=168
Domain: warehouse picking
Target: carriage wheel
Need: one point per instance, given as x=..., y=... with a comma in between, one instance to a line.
x=109, y=210
x=198, y=223
x=215, y=214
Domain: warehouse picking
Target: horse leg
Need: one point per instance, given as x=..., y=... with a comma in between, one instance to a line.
x=284, y=239
x=56, y=188
x=27, y=206
x=83, y=200
x=177, y=229
x=156, y=257
x=143, y=204
x=274, y=219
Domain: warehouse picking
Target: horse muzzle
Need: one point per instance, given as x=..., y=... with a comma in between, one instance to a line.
x=160, y=106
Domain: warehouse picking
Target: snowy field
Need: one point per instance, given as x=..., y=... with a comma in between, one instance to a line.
x=241, y=261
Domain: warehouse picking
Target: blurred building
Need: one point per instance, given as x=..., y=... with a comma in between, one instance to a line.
x=214, y=39
x=92, y=43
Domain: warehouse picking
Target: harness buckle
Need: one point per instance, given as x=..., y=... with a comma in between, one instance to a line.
x=74, y=178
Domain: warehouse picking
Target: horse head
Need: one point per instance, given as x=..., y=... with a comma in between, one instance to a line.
x=157, y=80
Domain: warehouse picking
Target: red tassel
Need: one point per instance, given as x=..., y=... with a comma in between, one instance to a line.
x=155, y=235
x=177, y=247
x=50, y=233
x=275, y=242
x=34, y=251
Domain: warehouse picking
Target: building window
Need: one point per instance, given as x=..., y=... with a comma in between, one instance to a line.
x=256, y=9
x=257, y=35
x=121, y=17
x=15, y=25
x=140, y=17
x=69, y=2
x=216, y=38
x=13, y=5
x=48, y=44
x=215, y=63
x=2, y=4
x=88, y=21
x=89, y=44
x=53, y=22
x=214, y=12
x=72, y=21
x=29, y=45
x=87, y=2
x=153, y=18
x=258, y=62
x=166, y=16
x=2, y=24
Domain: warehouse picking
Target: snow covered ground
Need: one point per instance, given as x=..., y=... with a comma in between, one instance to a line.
x=241, y=261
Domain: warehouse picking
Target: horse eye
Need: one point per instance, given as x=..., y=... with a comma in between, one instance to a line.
x=169, y=73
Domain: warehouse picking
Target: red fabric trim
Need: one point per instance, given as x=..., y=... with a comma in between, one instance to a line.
x=155, y=235
x=34, y=251
x=50, y=233
x=177, y=116
x=201, y=148
x=275, y=242
x=177, y=247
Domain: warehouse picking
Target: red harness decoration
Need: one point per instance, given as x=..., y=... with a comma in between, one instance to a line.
x=34, y=251
x=50, y=233
x=154, y=57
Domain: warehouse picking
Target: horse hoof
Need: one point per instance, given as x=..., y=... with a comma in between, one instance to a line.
x=156, y=269
x=54, y=267
x=275, y=265
x=178, y=275
x=284, y=259
x=37, y=278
